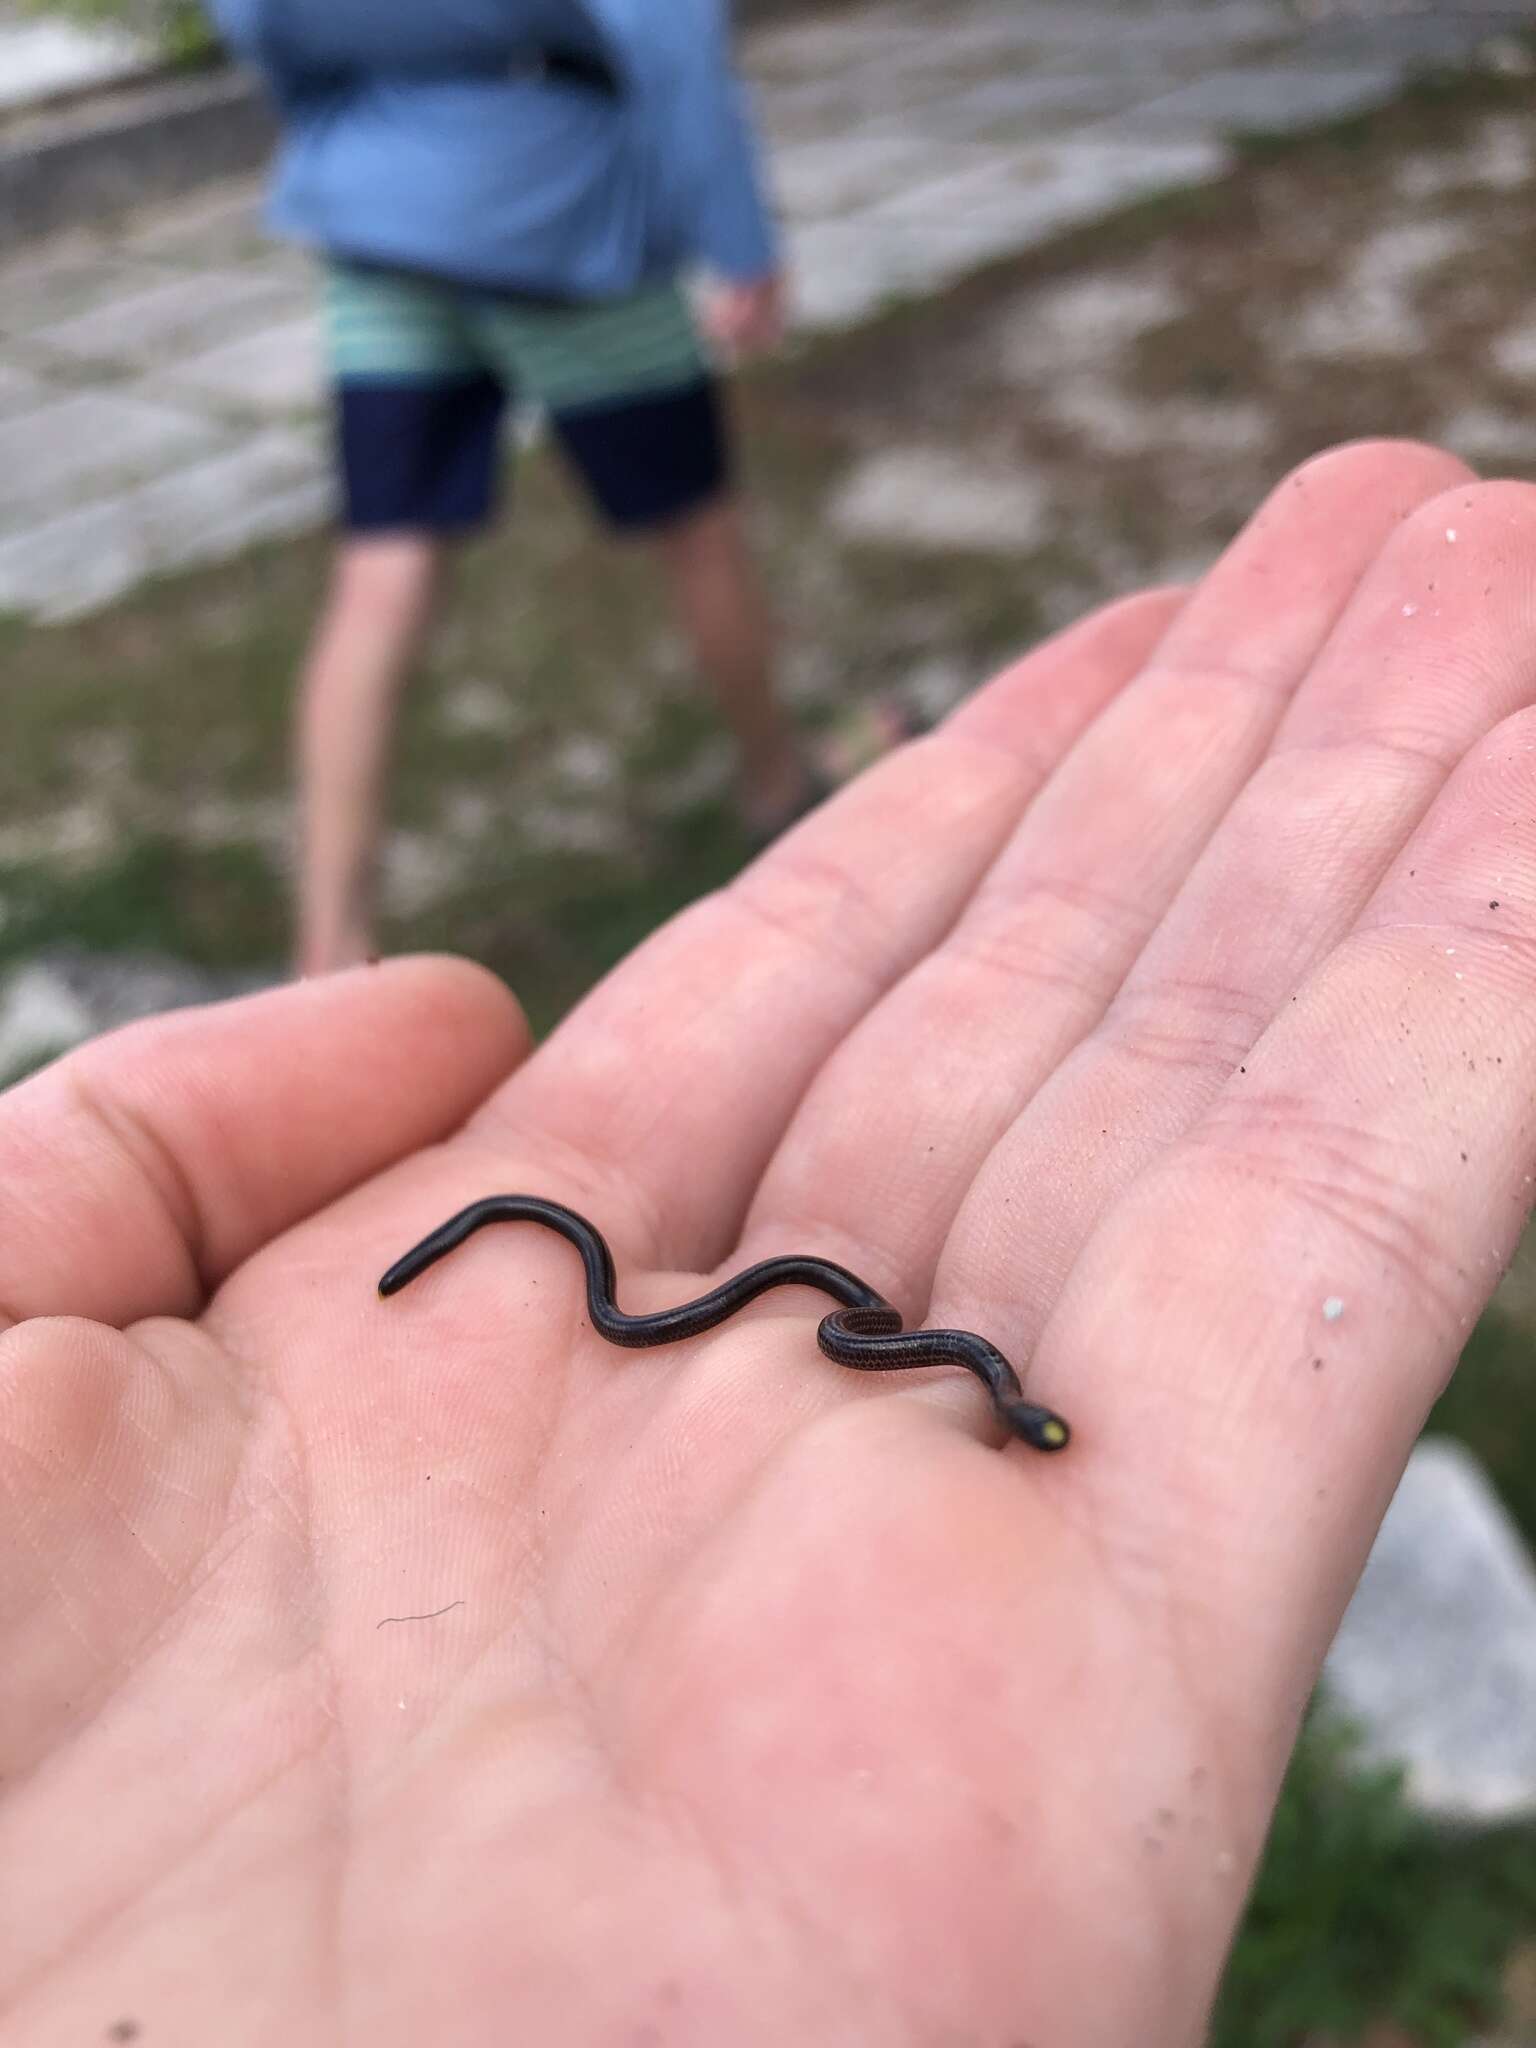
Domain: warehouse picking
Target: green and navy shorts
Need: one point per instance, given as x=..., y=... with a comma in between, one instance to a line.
x=424, y=372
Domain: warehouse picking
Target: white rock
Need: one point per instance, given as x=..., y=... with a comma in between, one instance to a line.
x=1373, y=310
x=1503, y=158
x=40, y=58
x=39, y=1015
x=1489, y=436
x=1436, y=1660
x=66, y=995
x=1515, y=352
x=1118, y=422
x=479, y=708
x=935, y=686
x=1055, y=332
x=928, y=498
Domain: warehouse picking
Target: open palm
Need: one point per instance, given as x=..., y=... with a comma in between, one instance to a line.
x=430, y=1671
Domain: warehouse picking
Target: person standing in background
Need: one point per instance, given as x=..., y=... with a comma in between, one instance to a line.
x=505, y=195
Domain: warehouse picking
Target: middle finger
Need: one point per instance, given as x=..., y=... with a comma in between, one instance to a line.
x=1431, y=655
x=1090, y=871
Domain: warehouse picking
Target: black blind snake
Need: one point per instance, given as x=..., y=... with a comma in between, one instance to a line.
x=864, y=1333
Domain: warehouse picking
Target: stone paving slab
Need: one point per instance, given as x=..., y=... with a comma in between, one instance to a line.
x=934, y=233
x=89, y=441
x=811, y=49
x=1010, y=111
x=912, y=142
x=92, y=163
x=824, y=179
x=171, y=318
x=1039, y=37
x=43, y=290
x=222, y=227
x=276, y=371
x=843, y=103
x=1151, y=30
x=277, y=483
x=1273, y=98
x=19, y=390
x=1440, y=38
x=1515, y=353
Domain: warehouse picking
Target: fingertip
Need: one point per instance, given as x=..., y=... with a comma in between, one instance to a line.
x=1417, y=469
x=462, y=994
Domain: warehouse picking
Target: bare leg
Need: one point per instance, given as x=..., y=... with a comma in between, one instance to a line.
x=720, y=602
x=375, y=617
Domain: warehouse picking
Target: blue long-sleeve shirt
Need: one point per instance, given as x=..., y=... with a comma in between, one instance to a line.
x=565, y=148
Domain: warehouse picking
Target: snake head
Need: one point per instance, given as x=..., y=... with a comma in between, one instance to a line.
x=1040, y=1427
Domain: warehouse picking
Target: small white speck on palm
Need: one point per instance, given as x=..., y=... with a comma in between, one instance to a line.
x=1409, y=610
x=1450, y=533
x=1333, y=1308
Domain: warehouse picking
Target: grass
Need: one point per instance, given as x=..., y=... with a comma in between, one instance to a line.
x=1490, y=1406
x=561, y=784
x=1364, y=1918
x=155, y=894
x=178, y=28
x=1364, y=1915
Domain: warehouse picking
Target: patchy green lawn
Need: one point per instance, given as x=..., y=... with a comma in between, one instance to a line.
x=1367, y=1928
x=562, y=782
x=563, y=786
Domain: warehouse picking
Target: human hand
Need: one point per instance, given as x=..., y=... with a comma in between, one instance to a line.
x=745, y=319
x=1169, y=1016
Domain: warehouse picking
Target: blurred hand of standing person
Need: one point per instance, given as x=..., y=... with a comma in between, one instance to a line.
x=746, y=319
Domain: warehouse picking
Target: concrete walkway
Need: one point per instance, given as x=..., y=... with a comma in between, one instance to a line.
x=160, y=391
